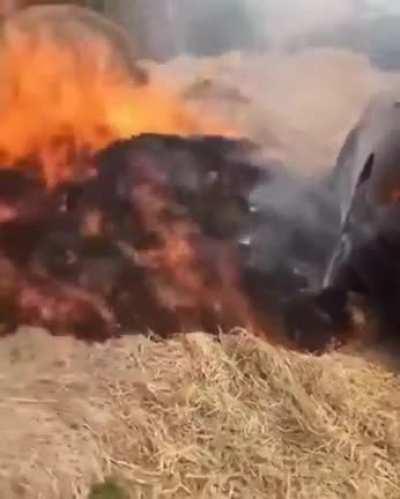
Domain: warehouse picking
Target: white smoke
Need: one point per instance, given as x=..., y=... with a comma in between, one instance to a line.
x=299, y=106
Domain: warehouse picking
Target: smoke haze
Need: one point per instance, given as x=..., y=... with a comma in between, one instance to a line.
x=251, y=62
x=300, y=106
x=281, y=22
x=297, y=100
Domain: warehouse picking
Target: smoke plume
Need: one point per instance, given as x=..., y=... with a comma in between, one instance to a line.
x=299, y=106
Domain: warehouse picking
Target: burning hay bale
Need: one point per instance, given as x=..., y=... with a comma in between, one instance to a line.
x=119, y=237
x=151, y=240
x=128, y=248
x=120, y=210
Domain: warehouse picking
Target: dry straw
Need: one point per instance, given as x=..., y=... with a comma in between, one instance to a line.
x=195, y=417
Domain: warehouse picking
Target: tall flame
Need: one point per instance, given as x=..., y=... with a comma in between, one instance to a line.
x=67, y=92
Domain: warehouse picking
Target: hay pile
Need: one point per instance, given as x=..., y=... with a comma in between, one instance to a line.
x=192, y=417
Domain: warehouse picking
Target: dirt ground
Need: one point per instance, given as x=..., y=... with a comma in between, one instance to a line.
x=195, y=417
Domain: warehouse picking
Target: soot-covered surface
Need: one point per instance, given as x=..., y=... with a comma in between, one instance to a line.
x=169, y=234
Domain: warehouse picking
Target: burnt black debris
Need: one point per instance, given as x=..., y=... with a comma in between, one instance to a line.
x=318, y=320
x=171, y=234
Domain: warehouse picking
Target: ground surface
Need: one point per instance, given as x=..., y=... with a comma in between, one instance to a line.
x=192, y=417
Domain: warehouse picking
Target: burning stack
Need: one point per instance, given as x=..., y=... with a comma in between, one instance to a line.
x=152, y=239
x=130, y=247
x=158, y=235
x=121, y=212
x=104, y=228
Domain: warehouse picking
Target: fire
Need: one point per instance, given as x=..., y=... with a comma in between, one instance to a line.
x=66, y=93
x=188, y=276
x=114, y=246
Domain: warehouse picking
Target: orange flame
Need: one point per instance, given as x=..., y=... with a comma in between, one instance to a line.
x=62, y=101
x=65, y=93
x=197, y=286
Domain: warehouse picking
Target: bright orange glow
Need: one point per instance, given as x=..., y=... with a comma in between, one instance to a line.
x=69, y=87
x=60, y=102
x=185, y=276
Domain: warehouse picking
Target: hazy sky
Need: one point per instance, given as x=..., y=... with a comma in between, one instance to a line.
x=385, y=5
x=287, y=19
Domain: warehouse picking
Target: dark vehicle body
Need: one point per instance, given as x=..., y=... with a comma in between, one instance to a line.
x=365, y=259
